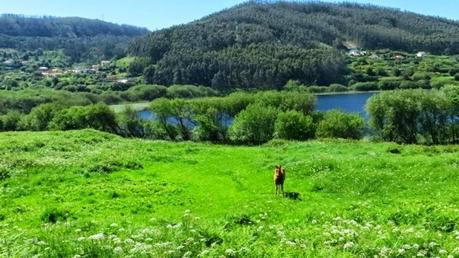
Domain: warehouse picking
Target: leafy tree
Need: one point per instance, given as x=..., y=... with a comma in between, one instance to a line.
x=40, y=117
x=254, y=125
x=337, y=124
x=293, y=125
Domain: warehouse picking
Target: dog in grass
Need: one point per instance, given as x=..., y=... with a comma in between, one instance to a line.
x=279, y=178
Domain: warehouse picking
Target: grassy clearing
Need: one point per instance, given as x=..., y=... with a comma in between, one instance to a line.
x=90, y=194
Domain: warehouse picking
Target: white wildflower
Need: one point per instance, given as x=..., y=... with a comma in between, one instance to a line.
x=129, y=241
x=230, y=252
x=442, y=251
x=97, y=236
x=113, y=225
x=348, y=245
x=118, y=250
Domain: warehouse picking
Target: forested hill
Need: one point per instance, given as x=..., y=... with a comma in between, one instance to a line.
x=81, y=39
x=266, y=44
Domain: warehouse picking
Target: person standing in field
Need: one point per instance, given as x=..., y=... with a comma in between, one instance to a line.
x=279, y=178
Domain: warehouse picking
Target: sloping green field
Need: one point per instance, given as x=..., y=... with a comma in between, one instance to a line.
x=91, y=194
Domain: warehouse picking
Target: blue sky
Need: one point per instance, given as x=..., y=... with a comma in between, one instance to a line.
x=157, y=14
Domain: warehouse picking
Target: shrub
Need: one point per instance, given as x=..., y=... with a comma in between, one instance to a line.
x=130, y=123
x=10, y=121
x=40, y=117
x=99, y=117
x=337, y=88
x=402, y=116
x=254, y=125
x=293, y=125
x=389, y=85
x=190, y=91
x=317, y=89
x=285, y=101
x=365, y=86
x=208, y=128
x=409, y=85
x=146, y=92
x=456, y=77
x=156, y=130
x=337, y=124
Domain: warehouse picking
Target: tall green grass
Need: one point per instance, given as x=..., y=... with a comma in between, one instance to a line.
x=91, y=194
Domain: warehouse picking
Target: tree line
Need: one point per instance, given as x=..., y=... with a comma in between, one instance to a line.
x=402, y=116
x=241, y=118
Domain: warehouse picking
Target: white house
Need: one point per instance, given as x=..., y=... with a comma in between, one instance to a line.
x=421, y=54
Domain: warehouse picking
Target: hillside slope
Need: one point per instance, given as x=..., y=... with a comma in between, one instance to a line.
x=93, y=194
x=78, y=37
x=266, y=44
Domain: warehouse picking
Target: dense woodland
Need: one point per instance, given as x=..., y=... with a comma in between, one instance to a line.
x=81, y=39
x=262, y=44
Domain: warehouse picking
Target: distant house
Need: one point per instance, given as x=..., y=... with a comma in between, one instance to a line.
x=50, y=72
x=104, y=62
x=43, y=68
x=356, y=52
x=95, y=68
x=125, y=80
x=399, y=57
x=421, y=54
x=9, y=62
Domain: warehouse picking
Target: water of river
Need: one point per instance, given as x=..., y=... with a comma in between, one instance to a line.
x=351, y=103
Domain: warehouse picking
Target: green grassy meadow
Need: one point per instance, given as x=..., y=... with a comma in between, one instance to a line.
x=91, y=194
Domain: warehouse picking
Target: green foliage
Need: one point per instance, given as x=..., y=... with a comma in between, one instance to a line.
x=293, y=125
x=337, y=124
x=365, y=86
x=99, y=117
x=254, y=125
x=146, y=92
x=209, y=126
x=10, y=121
x=40, y=117
x=190, y=91
x=403, y=116
x=130, y=123
x=389, y=85
x=137, y=66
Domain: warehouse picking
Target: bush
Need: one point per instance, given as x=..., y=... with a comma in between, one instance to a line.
x=208, y=128
x=337, y=88
x=10, y=121
x=456, y=77
x=130, y=123
x=155, y=130
x=365, y=86
x=293, y=125
x=146, y=92
x=409, y=85
x=40, y=117
x=285, y=101
x=402, y=116
x=389, y=85
x=317, y=89
x=254, y=125
x=337, y=124
x=99, y=117
x=190, y=91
